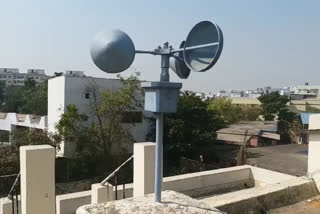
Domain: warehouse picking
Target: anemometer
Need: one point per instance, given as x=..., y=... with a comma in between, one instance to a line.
x=114, y=52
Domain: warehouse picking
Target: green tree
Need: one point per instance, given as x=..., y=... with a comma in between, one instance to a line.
x=190, y=128
x=224, y=110
x=249, y=113
x=9, y=155
x=2, y=92
x=35, y=99
x=95, y=139
x=229, y=113
x=272, y=104
x=24, y=136
x=13, y=99
x=28, y=99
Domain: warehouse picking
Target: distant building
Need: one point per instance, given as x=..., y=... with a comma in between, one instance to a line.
x=222, y=93
x=230, y=94
x=235, y=94
x=12, y=76
x=204, y=95
x=71, y=73
x=245, y=101
x=305, y=92
x=252, y=94
x=285, y=91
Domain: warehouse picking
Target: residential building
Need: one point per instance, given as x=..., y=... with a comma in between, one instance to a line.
x=79, y=91
x=12, y=76
x=71, y=73
x=230, y=94
x=67, y=90
x=204, y=95
x=305, y=92
x=245, y=101
x=252, y=94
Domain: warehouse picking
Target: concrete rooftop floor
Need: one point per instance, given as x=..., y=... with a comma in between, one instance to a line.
x=311, y=206
x=290, y=159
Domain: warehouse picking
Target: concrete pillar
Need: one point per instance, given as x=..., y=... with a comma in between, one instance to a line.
x=101, y=193
x=314, y=149
x=37, y=168
x=143, y=168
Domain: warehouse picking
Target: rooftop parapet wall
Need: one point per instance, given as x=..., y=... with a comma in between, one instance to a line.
x=174, y=202
x=197, y=184
x=25, y=120
x=314, y=122
x=261, y=199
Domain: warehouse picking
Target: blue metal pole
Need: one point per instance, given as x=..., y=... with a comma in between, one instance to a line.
x=159, y=147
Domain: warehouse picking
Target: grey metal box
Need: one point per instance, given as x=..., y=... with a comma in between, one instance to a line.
x=161, y=96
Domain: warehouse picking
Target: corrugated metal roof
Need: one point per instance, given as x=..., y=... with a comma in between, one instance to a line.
x=305, y=117
x=270, y=135
x=235, y=133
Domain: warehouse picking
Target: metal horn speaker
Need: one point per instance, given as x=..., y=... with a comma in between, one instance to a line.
x=178, y=65
x=209, y=36
x=112, y=51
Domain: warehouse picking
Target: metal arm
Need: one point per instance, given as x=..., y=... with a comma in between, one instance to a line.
x=146, y=52
x=195, y=47
x=177, y=50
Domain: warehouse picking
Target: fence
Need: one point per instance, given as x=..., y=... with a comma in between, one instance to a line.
x=14, y=192
x=117, y=175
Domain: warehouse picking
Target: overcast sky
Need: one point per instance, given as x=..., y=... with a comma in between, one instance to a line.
x=266, y=43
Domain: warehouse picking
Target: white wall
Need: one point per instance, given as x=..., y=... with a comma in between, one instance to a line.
x=314, y=153
x=56, y=101
x=69, y=203
x=37, y=168
x=11, y=119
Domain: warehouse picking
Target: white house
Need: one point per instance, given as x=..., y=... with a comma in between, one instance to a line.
x=67, y=90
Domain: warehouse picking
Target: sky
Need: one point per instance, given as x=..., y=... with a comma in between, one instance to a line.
x=266, y=43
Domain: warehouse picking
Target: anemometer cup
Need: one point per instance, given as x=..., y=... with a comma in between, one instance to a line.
x=113, y=51
x=202, y=59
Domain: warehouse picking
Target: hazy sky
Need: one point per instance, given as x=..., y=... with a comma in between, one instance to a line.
x=270, y=42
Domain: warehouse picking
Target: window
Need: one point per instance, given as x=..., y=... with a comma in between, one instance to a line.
x=87, y=95
x=132, y=117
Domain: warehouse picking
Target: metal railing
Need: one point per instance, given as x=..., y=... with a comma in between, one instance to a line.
x=115, y=175
x=13, y=195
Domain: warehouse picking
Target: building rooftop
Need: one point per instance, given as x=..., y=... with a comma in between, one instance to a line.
x=236, y=133
x=290, y=159
x=248, y=101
